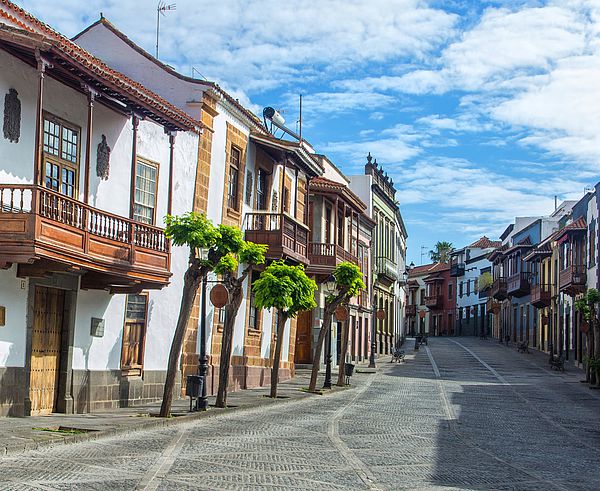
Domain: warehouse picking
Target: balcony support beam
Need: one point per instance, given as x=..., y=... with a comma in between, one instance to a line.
x=135, y=121
x=91, y=96
x=42, y=64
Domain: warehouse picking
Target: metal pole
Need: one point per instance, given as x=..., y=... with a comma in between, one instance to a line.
x=202, y=404
x=373, y=342
x=327, y=382
x=157, y=28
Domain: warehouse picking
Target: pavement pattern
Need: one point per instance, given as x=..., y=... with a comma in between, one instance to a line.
x=461, y=413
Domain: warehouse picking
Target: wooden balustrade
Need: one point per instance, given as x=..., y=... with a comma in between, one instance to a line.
x=572, y=279
x=285, y=236
x=328, y=256
x=38, y=222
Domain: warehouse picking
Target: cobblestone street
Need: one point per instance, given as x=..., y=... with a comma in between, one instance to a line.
x=461, y=414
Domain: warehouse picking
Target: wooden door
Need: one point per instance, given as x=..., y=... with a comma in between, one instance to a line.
x=303, y=352
x=45, y=349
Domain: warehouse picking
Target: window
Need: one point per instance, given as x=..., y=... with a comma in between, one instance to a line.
x=449, y=291
x=592, y=242
x=61, y=156
x=146, y=179
x=422, y=296
x=460, y=289
x=254, y=314
x=261, y=190
x=234, y=175
x=221, y=316
x=134, y=333
x=328, y=224
x=249, y=179
x=468, y=287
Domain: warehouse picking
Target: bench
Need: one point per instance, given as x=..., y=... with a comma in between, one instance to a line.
x=523, y=347
x=558, y=363
x=397, y=356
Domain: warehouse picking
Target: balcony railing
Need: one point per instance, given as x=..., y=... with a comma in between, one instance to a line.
x=328, y=256
x=572, y=280
x=285, y=236
x=541, y=296
x=498, y=290
x=457, y=269
x=36, y=222
x=411, y=310
x=517, y=285
x=387, y=269
x=434, y=301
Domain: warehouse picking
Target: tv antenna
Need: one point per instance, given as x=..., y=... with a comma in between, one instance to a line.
x=161, y=8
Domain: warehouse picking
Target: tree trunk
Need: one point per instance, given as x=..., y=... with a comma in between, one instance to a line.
x=282, y=319
x=231, y=312
x=318, y=349
x=191, y=283
x=341, y=382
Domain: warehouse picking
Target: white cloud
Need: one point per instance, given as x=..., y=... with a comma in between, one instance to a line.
x=264, y=44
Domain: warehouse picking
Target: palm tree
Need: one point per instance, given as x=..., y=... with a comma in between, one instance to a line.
x=441, y=252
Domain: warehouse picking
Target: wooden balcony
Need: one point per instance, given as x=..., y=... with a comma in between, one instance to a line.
x=492, y=306
x=434, y=301
x=540, y=296
x=286, y=237
x=517, y=285
x=45, y=231
x=325, y=257
x=573, y=279
x=498, y=290
x=410, y=310
x=457, y=269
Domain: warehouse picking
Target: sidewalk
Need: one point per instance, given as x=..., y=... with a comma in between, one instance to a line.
x=21, y=434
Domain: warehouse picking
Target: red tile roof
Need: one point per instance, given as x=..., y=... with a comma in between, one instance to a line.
x=252, y=118
x=75, y=54
x=578, y=225
x=323, y=184
x=486, y=243
x=427, y=269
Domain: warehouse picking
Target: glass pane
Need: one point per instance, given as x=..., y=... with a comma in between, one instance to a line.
x=136, y=307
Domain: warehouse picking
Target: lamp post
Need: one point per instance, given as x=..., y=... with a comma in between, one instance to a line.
x=330, y=288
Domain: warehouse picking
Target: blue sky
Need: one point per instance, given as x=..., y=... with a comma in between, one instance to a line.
x=479, y=111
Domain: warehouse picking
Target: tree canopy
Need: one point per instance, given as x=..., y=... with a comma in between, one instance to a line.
x=441, y=252
x=286, y=288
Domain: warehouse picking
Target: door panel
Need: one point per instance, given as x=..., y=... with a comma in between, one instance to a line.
x=45, y=349
x=304, y=338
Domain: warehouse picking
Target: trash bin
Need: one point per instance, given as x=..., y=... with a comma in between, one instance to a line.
x=349, y=371
x=193, y=387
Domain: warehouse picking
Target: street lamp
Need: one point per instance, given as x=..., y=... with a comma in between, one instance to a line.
x=202, y=401
x=330, y=289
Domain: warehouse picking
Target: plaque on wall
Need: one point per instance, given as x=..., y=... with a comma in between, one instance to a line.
x=12, y=116
x=97, y=327
x=103, y=159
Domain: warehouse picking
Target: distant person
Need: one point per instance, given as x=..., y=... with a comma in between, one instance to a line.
x=507, y=339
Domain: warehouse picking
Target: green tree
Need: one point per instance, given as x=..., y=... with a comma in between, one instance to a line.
x=441, y=252
x=251, y=255
x=588, y=307
x=197, y=232
x=288, y=290
x=348, y=280
x=485, y=281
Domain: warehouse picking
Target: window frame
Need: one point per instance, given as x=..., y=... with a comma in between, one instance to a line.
x=58, y=160
x=258, y=312
x=156, y=165
x=237, y=168
x=137, y=368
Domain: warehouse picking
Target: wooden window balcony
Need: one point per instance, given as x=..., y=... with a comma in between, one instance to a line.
x=498, y=290
x=492, y=306
x=41, y=226
x=517, y=285
x=325, y=257
x=540, y=296
x=411, y=310
x=572, y=280
x=434, y=301
x=285, y=236
x=457, y=269
x=387, y=270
